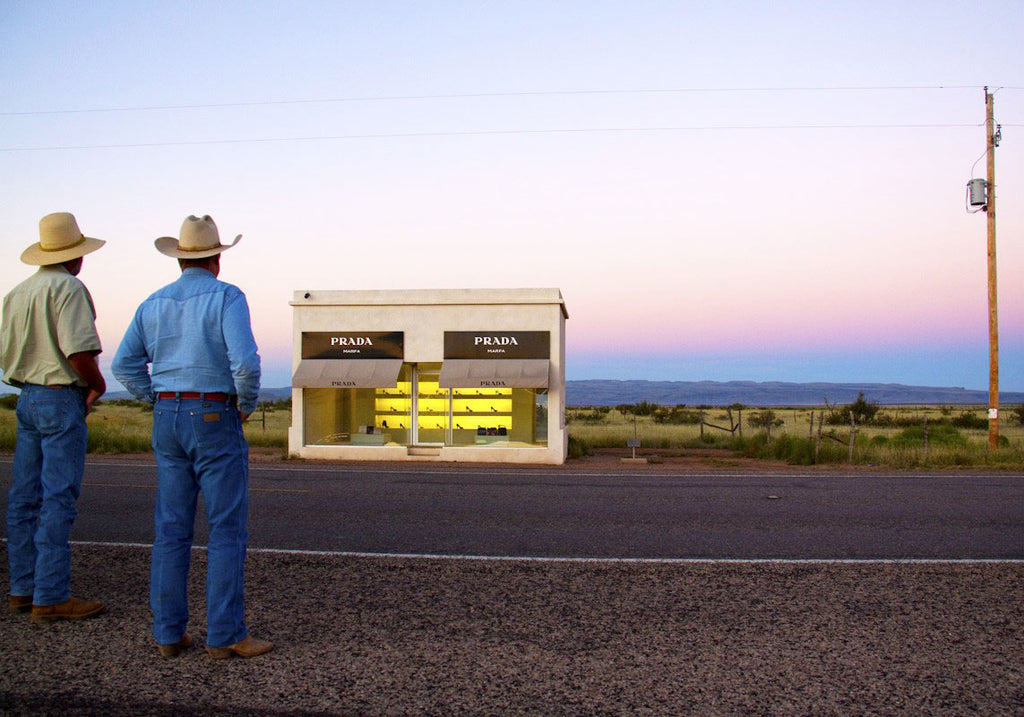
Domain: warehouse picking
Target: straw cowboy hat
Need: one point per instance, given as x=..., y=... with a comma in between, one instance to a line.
x=199, y=239
x=60, y=240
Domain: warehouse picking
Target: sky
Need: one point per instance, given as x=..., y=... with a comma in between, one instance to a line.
x=766, y=191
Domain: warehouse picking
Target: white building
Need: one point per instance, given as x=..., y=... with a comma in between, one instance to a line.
x=449, y=375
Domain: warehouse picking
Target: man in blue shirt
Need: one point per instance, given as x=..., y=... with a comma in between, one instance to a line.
x=190, y=351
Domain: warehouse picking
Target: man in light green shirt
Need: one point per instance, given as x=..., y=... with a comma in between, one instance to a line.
x=51, y=319
x=48, y=349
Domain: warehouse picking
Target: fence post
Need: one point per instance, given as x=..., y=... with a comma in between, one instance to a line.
x=817, y=443
x=853, y=435
x=926, y=439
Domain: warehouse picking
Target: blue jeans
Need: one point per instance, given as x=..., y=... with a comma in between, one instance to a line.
x=199, y=446
x=49, y=460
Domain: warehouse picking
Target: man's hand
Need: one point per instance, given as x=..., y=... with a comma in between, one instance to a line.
x=244, y=416
x=88, y=369
x=90, y=398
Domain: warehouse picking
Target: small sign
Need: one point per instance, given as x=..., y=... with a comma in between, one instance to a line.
x=497, y=344
x=632, y=443
x=993, y=414
x=353, y=344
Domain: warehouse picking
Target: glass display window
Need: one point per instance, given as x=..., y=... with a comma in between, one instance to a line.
x=358, y=416
x=418, y=411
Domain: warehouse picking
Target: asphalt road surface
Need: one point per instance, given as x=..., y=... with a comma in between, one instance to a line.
x=384, y=635
x=572, y=511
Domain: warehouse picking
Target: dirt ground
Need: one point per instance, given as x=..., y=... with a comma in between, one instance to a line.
x=611, y=459
x=390, y=636
x=604, y=459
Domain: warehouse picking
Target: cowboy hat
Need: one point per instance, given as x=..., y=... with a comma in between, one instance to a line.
x=60, y=240
x=199, y=239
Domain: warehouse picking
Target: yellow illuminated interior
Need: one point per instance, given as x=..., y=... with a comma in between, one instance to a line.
x=456, y=417
x=471, y=408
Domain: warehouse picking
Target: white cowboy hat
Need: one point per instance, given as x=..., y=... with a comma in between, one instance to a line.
x=199, y=239
x=60, y=240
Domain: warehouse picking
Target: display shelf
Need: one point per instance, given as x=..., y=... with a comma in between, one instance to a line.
x=467, y=410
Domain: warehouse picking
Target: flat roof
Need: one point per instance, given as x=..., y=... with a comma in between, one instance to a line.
x=428, y=297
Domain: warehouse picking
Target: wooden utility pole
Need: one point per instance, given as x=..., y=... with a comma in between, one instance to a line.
x=993, y=315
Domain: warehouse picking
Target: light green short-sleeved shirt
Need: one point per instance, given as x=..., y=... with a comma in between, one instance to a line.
x=46, y=318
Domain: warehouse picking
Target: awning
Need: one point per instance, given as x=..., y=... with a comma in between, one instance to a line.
x=339, y=373
x=490, y=373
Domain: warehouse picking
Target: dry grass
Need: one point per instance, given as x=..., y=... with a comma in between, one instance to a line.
x=126, y=427
x=796, y=438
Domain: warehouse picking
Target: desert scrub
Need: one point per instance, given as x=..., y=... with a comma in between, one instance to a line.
x=8, y=433
x=950, y=451
x=941, y=434
x=615, y=434
x=577, y=448
x=791, y=449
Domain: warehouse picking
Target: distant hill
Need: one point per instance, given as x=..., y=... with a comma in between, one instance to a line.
x=275, y=394
x=750, y=393
x=769, y=393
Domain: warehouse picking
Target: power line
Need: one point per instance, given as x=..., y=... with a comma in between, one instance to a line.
x=483, y=95
x=489, y=133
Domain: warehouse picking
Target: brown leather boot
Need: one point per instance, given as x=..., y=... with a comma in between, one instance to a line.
x=73, y=609
x=249, y=647
x=175, y=648
x=19, y=603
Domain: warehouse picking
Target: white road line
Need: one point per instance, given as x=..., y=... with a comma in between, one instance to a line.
x=463, y=469
x=569, y=473
x=642, y=561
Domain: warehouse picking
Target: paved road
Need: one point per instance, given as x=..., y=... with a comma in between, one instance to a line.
x=632, y=512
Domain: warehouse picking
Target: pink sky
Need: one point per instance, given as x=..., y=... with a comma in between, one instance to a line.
x=712, y=184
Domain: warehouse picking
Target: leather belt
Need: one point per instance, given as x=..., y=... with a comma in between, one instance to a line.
x=191, y=396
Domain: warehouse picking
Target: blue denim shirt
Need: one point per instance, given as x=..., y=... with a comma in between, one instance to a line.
x=196, y=336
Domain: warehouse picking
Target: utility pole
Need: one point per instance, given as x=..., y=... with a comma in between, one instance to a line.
x=993, y=316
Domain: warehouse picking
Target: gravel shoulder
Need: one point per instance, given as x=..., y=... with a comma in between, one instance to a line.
x=434, y=636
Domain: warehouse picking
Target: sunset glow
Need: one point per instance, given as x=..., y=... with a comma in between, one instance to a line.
x=726, y=191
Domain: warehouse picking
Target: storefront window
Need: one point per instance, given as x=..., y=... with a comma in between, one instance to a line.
x=337, y=416
x=441, y=416
x=482, y=416
x=540, y=416
x=392, y=410
x=358, y=416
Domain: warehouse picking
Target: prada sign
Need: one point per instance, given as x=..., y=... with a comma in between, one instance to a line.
x=497, y=344
x=353, y=344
